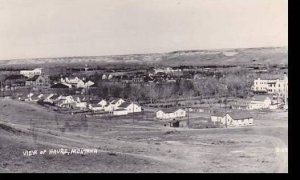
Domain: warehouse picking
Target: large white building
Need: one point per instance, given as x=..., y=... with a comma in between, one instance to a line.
x=31, y=73
x=277, y=87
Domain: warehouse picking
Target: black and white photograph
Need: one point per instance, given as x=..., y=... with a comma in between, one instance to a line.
x=144, y=86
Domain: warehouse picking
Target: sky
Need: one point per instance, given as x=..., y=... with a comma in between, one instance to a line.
x=59, y=28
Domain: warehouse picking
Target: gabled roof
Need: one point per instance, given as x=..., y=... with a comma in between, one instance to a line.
x=125, y=104
x=34, y=78
x=94, y=102
x=218, y=114
x=259, y=97
x=59, y=85
x=96, y=105
x=55, y=96
x=170, y=110
x=114, y=101
x=240, y=115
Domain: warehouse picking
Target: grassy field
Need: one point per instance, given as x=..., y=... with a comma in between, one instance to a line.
x=130, y=144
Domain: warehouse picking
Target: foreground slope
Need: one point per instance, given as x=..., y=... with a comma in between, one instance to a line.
x=127, y=146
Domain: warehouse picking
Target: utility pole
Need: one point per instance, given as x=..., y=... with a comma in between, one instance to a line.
x=133, y=112
x=188, y=121
x=225, y=113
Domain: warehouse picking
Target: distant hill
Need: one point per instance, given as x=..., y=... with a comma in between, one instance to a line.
x=243, y=56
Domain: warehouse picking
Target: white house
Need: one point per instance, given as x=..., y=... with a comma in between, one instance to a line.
x=119, y=112
x=31, y=73
x=51, y=98
x=28, y=97
x=259, y=102
x=81, y=105
x=109, y=108
x=65, y=101
x=99, y=106
x=237, y=118
x=96, y=107
x=117, y=102
x=47, y=97
x=89, y=83
x=82, y=84
x=170, y=113
x=113, y=105
x=130, y=107
x=102, y=103
x=218, y=117
x=242, y=118
x=36, y=97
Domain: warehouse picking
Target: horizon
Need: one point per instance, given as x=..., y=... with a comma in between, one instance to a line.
x=109, y=55
x=35, y=29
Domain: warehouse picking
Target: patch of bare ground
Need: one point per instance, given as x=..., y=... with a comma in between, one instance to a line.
x=132, y=147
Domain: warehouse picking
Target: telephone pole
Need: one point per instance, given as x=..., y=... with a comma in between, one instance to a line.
x=225, y=113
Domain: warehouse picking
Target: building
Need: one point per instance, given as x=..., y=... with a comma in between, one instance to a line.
x=96, y=107
x=278, y=86
x=120, y=112
x=109, y=108
x=113, y=105
x=102, y=103
x=14, y=80
x=233, y=119
x=254, y=103
x=218, y=117
x=51, y=98
x=117, y=102
x=259, y=102
x=241, y=118
x=130, y=107
x=176, y=123
x=84, y=84
x=31, y=73
x=80, y=105
x=64, y=101
x=61, y=86
x=166, y=70
x=170, y=114
x=38, y=81
x=67, y=80
x=47, y=97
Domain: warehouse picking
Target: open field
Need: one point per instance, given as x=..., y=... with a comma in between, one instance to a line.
x=130, y=144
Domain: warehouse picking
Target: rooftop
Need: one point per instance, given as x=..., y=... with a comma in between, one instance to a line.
x=59, y=85
x=240, y=115
x=170, y=110
x=15, y=76
x=34, y=78
x=260, y=97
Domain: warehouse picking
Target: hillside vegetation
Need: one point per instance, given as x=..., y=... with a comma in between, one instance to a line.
x=246, y=56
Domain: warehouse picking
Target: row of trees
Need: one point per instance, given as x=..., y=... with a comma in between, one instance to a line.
x=232, y=85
